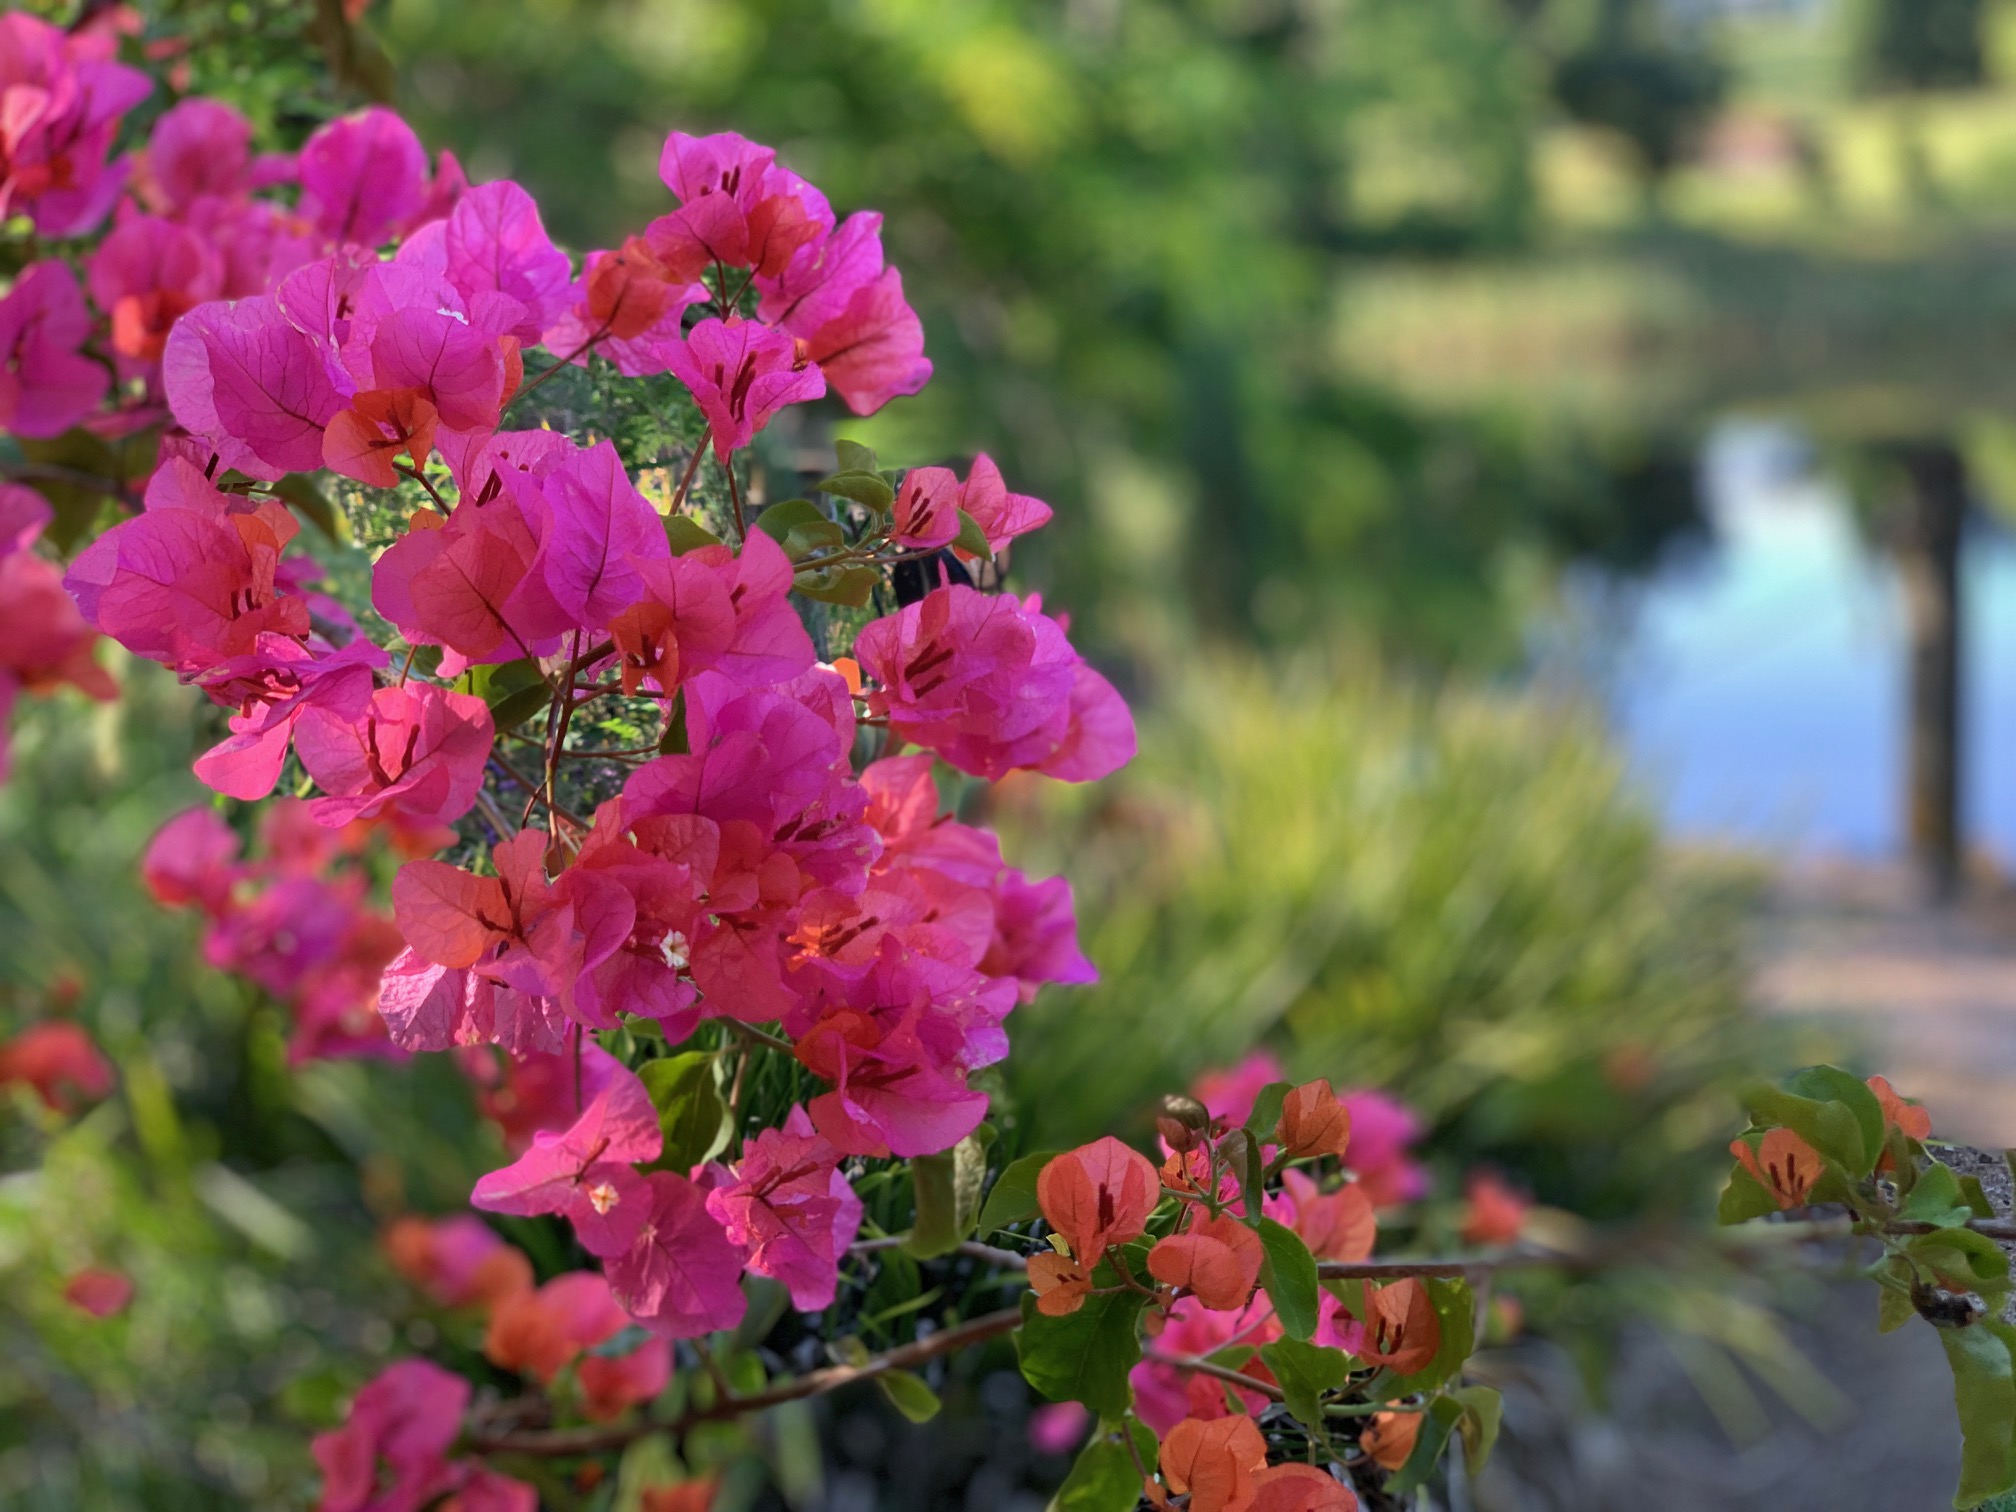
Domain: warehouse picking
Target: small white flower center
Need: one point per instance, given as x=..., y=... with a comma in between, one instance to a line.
x=672, y=950
x=603, y=1196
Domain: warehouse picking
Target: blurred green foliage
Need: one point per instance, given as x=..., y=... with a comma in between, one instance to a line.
x=1126, y=226
x=1453, y=894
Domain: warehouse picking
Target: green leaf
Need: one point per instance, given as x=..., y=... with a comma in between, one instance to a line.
x=863, y=487
x=1483, y=1410
x=690, y=1109
x=1744, y=1198
x=972, y=538
x=1288, y=1271
x=1963, y=1259
x=683, y=533
x=1267, y=1110
x=1105, y=1477
x=1976, y=1197
x=948, y=1192
x=1438, y=1420
x=787, y=515
x=514, y=690
x=909, y=1395
x=1893, y=1296
x=1084, y=1357
x=854, y=457
x=1013, y=1198
x=1456, y=1310
x=1305, y=1372
x=852, y=584
x=1937, y=1199
x=1829, y=1109
x=673, y=741
x=85, y=464
x=1984, y=1392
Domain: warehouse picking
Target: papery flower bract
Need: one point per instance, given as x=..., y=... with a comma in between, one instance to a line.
x=249, y=383
x=1389, y=1438
x=1214, y=1461
x=45, y=643
x=681, y=1277
x=494, y=241
x=1301, y=1488
x=837, y=297
x=925, y=515
x=1165, y=1393
x=1382, y=1129
x=390, y=1455
x=1061, y=1285
x=1337, y=1225
x=1098, y=1195
x=1230, y=1095
x=192, y=860
x=1313, y=1122
x=1403, y=1331
x=363, y=177
x=274, y=686
x=200, y=149
x=458, y=1261
x=1218, y=1259
x=741, y=374
x=988, y=682
x=789, y=1210
x=1494, y=1213
x=57, y=1059
x=1001, y=515
x=146, y=275
x=99, y=1291
x=587, y=1173
x=61, y=97
x=1906, y=1118
x=1783, y=1164
x=418, y=747
x=540, y=1332
x=600, y=534
x=1058, y=1427
x=46, y=384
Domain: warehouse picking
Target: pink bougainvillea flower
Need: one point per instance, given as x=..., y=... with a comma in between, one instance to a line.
x=789, y=1210
x=57, y=1059
x=201, y=149
x=418, y=747
x=990, y=683
x=1098, y=1195
x=682, y=1276
x=467, y=583
x=273, y=686
x=1165, y=1393
x=1305, y=1488
x=192, y=861
x=837, y=297
x=1035, y=934
x=1229, y=1094
x=44, y=642
x=712, y=610
x=364, y=441
x=1337, y=1225
x=1216, y=1462
x=1313, y=1122
x=741, y=374
x=249, y=383
x=1910, y=1119
x=1382, y=1130
x=540, y=1333
x=99, y=1291
x=926, y=512
x=189, y=587
x=737, y=208
x=46, y=384
x=146, y=275
x=458, y=1261
x=599, y=535
x=535, y=1092
x=494, y=242
x=1001, y=515
x=1058, y=1427
x=363, y=177
x=587, y=1173
x=61, y=97
x=391, y=1453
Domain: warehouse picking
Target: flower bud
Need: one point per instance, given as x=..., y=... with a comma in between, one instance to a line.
x=1187, y=1111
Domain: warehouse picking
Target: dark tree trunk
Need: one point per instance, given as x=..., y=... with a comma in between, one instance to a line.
x=1928, y=550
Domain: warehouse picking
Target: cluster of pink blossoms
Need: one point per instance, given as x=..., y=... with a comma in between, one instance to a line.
x=356, y=310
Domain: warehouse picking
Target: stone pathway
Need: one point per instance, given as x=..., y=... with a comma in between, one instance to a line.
x=1927, y=997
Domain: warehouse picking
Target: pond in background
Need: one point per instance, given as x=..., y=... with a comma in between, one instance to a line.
x=1760, y=686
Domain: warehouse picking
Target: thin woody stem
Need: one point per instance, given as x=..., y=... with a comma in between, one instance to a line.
x=692, y=467
x=575, y=1441
x=1217, y=1372
x=420, y=477
x=1006, y=1259
x=592, y=341
x=755, y=1036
